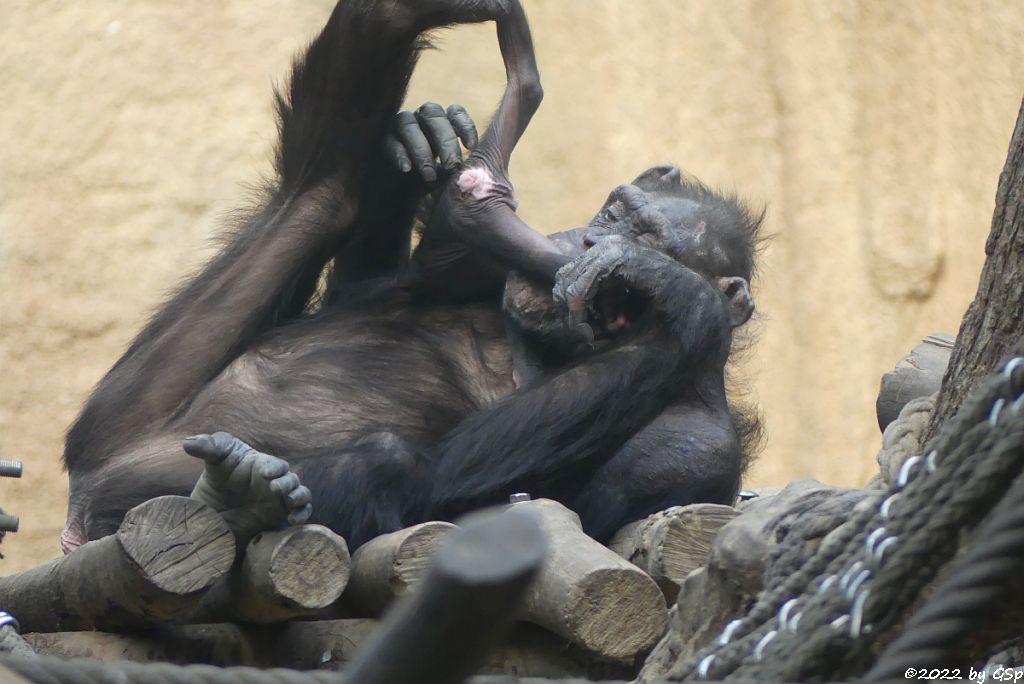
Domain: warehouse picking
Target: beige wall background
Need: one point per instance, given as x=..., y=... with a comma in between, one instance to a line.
x=874, y=131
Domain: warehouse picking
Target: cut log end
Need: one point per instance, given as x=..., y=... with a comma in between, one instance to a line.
x=671, y=544
x=309, y=566
x=687, y=539
x=179, y=545
x=608, y=599
x=388, y=566
x=414, y=552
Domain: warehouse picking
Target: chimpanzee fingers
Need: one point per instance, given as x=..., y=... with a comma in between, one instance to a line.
x=649, y=220
x=464, y=125
x=441, y=134
x=395, y=151
x=285, y=484
x=577, y=282
x=632, y=197
x=300, y=516
x=407, y=130
x=271, y=467
x=299, y=497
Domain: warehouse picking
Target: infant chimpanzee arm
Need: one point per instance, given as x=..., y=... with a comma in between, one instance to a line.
x=478, y=205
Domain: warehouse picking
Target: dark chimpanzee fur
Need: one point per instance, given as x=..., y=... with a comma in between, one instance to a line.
x=396, y=404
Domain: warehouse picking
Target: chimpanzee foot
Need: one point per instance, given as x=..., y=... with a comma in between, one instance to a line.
x=253, y=491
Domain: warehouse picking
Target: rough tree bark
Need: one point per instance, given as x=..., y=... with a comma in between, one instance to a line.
x=993, y=322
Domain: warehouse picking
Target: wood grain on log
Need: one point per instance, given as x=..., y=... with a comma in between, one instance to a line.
x=166, y=554
x=387, y=566
x=671, y=544
x=589, y=594
x=302, y=568
x=295, y=572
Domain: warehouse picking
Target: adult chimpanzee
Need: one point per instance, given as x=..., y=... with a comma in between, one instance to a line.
x=395, y=399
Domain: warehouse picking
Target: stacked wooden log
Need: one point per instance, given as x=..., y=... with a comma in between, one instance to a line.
x=296, y=598
x=591, y=611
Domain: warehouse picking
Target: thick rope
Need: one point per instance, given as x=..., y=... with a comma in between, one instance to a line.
x=51, y=670
x=821, y=621
x=973, y=591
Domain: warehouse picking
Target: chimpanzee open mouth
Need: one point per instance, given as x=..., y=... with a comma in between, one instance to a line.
x=614, y=308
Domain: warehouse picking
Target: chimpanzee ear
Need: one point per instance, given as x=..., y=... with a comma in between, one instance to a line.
x=662, y=178
x=738, y=299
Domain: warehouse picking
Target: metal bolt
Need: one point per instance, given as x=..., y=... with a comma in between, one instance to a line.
x=10, y=468
x=519, y=497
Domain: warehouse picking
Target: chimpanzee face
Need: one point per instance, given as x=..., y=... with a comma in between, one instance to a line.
x=655, y=217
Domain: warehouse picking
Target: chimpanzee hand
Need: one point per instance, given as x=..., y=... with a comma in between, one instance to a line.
x=428, y=140
x=629, y=212
x=615, y=282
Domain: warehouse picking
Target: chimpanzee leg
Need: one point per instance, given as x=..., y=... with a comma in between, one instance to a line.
x=375, y=484
x=99, y=497
x=334, y=119
x=342, y=95
x=691, y=453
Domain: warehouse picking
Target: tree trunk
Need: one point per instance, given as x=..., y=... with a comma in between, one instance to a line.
x=993, y=322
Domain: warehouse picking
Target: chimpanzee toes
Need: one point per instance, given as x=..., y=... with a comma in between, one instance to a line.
x=252, y=490
x=417, y=147
x=444, y=141
x=271, y=467
x=298, y=498
x=216, y=448
x=202, y=446
x=463, y=125
x=300, y=516
x=285, y=484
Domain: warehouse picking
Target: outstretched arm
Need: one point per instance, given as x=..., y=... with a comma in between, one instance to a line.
x=477, y=210
x=334, y=117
